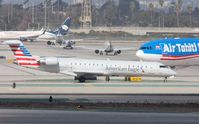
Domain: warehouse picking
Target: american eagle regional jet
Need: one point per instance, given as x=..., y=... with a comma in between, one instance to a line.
x=87, y=69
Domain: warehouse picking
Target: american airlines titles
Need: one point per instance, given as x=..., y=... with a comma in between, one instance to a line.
x=186, y=47
x=134, y=69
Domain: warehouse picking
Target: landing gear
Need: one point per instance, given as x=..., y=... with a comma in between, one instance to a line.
x=81, y=79
x=107, y=78
x=115, y=53
x=48, y=43
x=165, y=79
x=101, y=53
x=126, y=78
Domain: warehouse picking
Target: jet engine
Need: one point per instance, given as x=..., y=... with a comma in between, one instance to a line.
x=97, y=51
x=50, y=64
x=119, y=51
x=49, y=61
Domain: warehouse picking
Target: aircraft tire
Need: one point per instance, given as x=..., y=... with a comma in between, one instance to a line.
x=49, y=43
x=81, y=79
x=107, y=78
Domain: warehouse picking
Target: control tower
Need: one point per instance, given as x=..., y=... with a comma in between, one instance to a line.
x=86, y=15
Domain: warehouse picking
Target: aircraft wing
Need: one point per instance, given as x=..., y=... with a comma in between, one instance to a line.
x=90, y=48
x=83, y=72
x=90, y=72
x=68, y=73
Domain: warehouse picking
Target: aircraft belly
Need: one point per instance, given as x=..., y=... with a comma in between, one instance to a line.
x=182, y=62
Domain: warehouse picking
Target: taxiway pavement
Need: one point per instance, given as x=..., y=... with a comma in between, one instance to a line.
x=35, y=81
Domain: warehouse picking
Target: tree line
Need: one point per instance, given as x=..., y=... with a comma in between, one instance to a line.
x=124, y=13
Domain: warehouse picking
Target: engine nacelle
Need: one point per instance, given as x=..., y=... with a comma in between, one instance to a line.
x=23, y=39
x=97, y=51
x=49, y=61
x=119, y=51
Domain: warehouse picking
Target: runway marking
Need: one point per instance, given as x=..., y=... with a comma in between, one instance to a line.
x=19, y=69
x=99, y=85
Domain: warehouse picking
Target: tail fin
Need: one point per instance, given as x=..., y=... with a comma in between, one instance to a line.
x=22, y=55
x=67, y=22
x=63, y=29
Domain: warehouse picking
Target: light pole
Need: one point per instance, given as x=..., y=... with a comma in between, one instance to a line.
x=45, y=4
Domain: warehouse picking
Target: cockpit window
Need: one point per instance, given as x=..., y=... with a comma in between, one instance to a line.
x=146, y=48
x=163, y=66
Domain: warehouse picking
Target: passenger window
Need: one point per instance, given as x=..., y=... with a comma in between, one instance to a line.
x=163, y=66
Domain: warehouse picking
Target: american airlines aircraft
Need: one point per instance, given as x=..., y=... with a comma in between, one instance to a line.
x=87, y=69
x=36, y=35
x=171, y=51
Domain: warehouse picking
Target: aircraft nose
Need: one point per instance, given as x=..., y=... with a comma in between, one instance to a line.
x=173, y=73
x=140, y=53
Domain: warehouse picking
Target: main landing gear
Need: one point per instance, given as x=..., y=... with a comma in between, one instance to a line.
x=107, y=78
x=165, y=79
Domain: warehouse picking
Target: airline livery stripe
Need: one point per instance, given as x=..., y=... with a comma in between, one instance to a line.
x=21, y=55
x=25, y=59
x=18, y=52
x=179, y=57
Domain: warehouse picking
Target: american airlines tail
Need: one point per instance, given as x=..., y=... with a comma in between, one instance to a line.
x=22, y=55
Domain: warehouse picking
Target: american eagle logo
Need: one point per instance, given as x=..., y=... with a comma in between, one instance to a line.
x=157, y=46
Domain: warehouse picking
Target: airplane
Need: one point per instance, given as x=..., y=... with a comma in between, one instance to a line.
x=20, y=35
x=52, y=36
x=42, y=35
x=108, y=50
x=87, y=69
x=66, y=44
x=171, y=51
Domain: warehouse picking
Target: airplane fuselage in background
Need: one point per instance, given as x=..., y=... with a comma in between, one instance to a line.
x=171, y=51
x=17, y=35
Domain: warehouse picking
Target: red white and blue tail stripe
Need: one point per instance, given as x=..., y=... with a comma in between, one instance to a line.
x=22, y=55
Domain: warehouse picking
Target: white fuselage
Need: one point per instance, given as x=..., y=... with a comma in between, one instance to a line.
x=113, y=67
x=36, y=35
x=13, y=35
x=192, y=61
x=47, y=36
